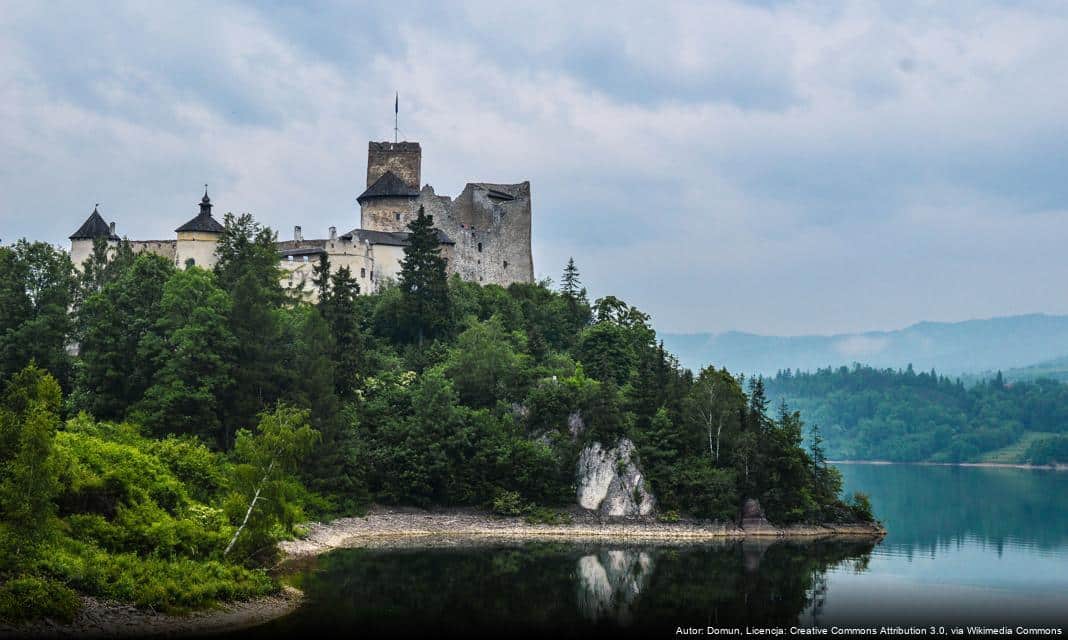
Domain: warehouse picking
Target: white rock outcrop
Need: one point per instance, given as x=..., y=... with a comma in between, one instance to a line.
x=610, y=482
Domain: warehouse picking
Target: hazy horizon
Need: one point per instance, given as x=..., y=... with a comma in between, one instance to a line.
x=752, y=166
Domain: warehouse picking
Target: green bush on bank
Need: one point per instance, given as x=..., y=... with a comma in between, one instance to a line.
x=97, y=508
x=32, y=597
x=167, y=584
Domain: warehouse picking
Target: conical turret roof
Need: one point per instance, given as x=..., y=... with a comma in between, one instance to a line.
x=94, y=227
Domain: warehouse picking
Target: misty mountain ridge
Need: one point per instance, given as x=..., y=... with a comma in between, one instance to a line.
x=952, y=348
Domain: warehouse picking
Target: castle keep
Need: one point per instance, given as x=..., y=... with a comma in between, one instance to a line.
x=484, y=232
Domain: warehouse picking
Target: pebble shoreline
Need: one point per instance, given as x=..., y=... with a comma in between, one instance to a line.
x=385, y=528
x=406, y=528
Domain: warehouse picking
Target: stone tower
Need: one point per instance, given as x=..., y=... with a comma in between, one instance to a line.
x=404, y=159
x=393, y=175
x=198, y=238
x=81, y=241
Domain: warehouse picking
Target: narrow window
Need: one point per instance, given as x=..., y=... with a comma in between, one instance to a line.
x=397, y=216
x=363, y=272
x=505, y=264
x=372, y=274
x=480, y=247
x=305, y=258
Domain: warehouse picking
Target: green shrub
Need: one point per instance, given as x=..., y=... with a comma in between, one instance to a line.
x=507, y=503
x=545, y=515
x=121, y=496
x=29, y=597
x=202, y=470
x=669, y=516
x=860, y=506
x=166, y=584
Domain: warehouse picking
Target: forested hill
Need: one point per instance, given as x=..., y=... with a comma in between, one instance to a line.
x=864, y=413
x=973, y=347
x=206, y=414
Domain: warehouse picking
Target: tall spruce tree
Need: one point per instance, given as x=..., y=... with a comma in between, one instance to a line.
x=339, y=307
x=571, y=286
x=321, y=276
x=247, y=268
x=423, y=284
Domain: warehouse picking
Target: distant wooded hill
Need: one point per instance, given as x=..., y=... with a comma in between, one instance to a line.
x=1013, y=343
x=908, y=416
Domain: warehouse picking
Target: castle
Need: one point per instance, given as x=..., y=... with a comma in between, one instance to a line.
x=484, y=232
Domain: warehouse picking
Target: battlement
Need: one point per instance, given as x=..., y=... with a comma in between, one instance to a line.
x=398, y=147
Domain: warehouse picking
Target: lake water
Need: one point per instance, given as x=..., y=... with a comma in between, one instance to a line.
x=966, y=546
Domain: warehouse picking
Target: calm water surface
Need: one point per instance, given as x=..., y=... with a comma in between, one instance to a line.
x=965, y=546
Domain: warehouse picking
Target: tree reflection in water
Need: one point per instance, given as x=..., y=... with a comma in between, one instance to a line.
x=566, y=589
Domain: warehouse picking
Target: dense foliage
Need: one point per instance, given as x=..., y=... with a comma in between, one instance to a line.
x=103, y=509
x=206, y=410
x=867, y=414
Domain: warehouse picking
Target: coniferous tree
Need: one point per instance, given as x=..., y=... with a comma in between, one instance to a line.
x=758, y=405
x=423, y=284
x=247, y=268
x=321, y=277
x=309, y=368
x=258, y=363
x=571, y=285
x=340, y=309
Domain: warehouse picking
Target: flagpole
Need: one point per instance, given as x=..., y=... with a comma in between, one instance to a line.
x=396, y=116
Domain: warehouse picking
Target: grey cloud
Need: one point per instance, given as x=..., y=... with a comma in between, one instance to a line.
x=761, y=166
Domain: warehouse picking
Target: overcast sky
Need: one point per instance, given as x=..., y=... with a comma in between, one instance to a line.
x=760, y=166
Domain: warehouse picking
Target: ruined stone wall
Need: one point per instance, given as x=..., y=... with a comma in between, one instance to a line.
x=491, y=226
x=404, y=159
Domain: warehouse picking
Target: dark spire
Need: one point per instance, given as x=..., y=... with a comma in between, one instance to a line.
x=203, y=221
x=205, y=202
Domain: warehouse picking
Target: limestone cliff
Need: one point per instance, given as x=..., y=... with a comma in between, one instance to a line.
x=610, y=482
